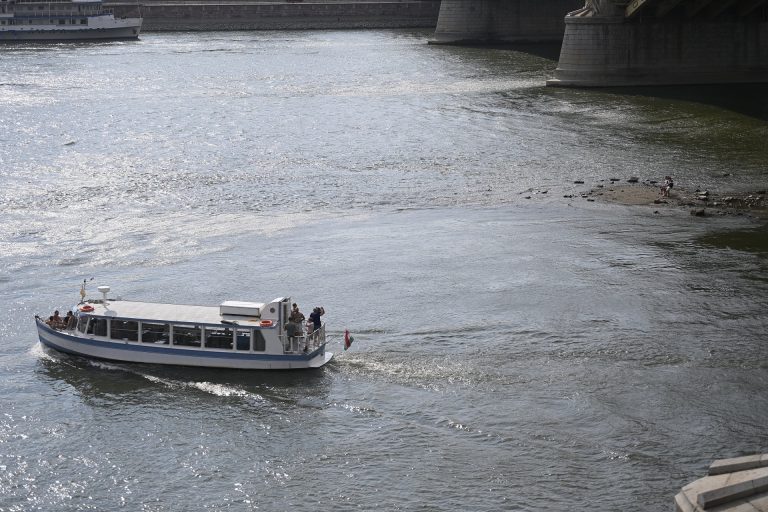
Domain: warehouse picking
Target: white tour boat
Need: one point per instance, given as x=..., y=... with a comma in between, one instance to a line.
x=63, y=20
x=241, y=335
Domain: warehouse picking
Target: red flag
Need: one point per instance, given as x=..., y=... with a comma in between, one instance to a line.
x=347, y=339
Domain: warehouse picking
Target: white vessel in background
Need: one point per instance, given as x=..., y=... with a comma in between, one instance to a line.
x=241, y=335
x=63, y=20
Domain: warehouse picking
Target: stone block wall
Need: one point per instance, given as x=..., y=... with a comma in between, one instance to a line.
x=290, y=15
x=504, y=21
x=612, y=51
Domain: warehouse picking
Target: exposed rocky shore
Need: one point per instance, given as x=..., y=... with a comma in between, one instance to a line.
x=633, y=191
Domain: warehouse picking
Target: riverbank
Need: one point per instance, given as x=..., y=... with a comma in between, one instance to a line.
x=192, y=15
x=700, y=202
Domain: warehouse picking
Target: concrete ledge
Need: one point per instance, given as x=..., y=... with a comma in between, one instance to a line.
x=738, y=464
x=742, y=490
x=747, y=484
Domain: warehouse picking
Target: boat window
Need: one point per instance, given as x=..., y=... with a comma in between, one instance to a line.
x=155, y=333
x=259, y=345
x=186, y=335
x=217, y=337
x=82, y=321
x=124, y=330
x=243, y=339
x=97, y=326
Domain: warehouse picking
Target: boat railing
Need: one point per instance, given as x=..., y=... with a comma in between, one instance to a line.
x=306, y=343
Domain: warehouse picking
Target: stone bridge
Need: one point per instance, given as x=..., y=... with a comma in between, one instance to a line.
x=694, y=9
x=502, y=21
x=664, y=42
x=625, y=42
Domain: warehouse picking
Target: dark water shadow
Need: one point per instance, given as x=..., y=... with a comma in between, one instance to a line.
x=548, y=51
x=746, y=99
x=754, y=240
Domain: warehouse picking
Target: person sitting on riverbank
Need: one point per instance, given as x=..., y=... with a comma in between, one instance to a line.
x=667, y=186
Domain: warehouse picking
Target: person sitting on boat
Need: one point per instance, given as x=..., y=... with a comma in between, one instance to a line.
x=70, y=320
x=56, y=321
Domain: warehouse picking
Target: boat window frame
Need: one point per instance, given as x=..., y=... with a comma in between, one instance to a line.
x=258, y=341
x=243, y=330
x=165, y=333
x=82, y=320
x=190, y=326
x=209, y=328
x=92, y=321
x=124, y=321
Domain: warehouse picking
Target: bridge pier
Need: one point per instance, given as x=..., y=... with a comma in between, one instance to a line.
x=623, y=50
x=502, y=21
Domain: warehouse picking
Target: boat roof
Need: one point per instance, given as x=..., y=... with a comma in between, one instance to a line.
x=176, y=313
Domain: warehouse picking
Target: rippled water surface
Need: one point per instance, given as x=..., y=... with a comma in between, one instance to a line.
x=515, y=349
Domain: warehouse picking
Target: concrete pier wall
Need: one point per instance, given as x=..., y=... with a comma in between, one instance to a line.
x=502, y=21
x=616, y=52
x=292, y=15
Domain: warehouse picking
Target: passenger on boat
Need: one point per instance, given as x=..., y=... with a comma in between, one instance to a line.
x=70, y=320
x=315, y=317
x=297, y=317
x=56, y=321
x=290, y=334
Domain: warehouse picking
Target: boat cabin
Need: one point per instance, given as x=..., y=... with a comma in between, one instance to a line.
x=232, y=326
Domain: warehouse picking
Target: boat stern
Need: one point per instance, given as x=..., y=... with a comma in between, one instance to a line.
x=321, y=360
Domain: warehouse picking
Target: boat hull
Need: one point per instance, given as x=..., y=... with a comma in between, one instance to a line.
x=133, y=352
x=122, y=30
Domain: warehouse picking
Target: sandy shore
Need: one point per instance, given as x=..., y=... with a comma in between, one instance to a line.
x=699, y=202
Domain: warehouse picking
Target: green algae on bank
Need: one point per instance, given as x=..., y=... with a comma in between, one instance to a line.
x=749, y=240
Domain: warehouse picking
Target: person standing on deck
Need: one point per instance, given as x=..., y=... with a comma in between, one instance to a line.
x=315, y=317
x=290, y=334
x=297, y=317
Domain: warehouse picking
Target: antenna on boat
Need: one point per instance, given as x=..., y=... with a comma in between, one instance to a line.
x=104, y=291
x=82, y=290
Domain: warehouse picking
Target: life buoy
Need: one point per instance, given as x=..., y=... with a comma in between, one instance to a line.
x=86, y=308
x=266, y=323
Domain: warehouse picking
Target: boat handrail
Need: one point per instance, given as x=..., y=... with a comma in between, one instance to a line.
x=308, y=342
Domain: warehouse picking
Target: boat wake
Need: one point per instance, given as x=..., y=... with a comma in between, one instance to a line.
x=212, y=388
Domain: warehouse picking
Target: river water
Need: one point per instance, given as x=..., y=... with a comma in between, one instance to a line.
x=515, y=349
